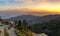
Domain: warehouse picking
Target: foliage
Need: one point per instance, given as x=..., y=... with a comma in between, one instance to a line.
x=0, y=32
x=22, y=26
x=0, y=18
x=51, y=28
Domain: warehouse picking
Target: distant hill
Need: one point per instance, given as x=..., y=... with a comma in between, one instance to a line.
x=46, y=18
x=31, y=19
x=28, y=18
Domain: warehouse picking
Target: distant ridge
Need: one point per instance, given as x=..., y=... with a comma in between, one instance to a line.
x=31, y=19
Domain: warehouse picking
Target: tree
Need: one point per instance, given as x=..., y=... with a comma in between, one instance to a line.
x=25, y=24
x=19, y=23
x=0, y=19
x=51, y=28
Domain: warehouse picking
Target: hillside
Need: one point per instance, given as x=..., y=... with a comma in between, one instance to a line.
x=51, y=28
x=31, y=19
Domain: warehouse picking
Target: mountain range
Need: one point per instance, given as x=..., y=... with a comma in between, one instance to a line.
x=31, y=19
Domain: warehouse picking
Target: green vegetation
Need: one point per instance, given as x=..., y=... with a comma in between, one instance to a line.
x=51, y=28
x=22, y=28
x=5, y=33
x=0, y=32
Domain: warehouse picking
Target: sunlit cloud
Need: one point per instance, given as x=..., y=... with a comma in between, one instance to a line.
x=33, y=4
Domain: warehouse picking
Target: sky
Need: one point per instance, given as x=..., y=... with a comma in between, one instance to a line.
x=8, y=7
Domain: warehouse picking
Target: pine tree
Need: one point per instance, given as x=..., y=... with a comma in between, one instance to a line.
x=19, y=23
x=0, y=19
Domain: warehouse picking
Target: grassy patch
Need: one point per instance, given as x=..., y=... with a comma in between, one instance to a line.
x=5, y=33
x=24, y=32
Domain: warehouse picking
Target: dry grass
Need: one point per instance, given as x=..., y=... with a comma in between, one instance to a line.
x=5, y=33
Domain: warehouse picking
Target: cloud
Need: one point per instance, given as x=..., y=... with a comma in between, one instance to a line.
x=13, y=4
x=27, y=2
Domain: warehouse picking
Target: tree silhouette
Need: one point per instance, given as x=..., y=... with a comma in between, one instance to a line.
x=0, y=19
x=25, y=24
x=19, y=23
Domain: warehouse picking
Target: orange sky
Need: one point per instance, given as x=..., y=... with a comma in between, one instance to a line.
x=36, y=7
x=49, y=5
